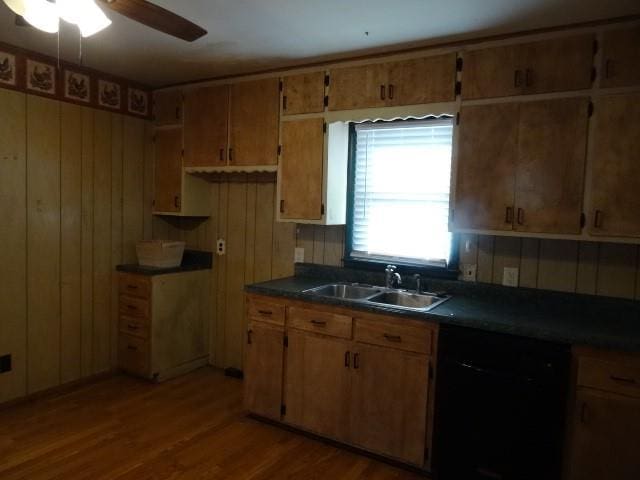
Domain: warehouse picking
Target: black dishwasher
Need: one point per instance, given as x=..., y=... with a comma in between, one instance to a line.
x=500, y=406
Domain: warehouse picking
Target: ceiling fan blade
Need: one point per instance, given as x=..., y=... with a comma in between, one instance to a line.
x=157, y=18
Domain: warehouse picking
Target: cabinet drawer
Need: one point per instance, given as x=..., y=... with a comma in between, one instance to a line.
x=319, y=322
x=134, y=307
x=135, y=285
x=398, y=334
x=265, y=311
x=609, y=376
x=134, y=326
x=133, y=354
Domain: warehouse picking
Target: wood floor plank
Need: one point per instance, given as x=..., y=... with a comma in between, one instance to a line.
x=191, y=427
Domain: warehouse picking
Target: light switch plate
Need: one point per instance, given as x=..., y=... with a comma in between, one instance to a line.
x=221, y=247
x=510, y=276
x=469, y=272
x=298, y=255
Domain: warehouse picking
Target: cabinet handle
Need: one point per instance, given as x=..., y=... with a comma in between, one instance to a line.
x=132, y=307
x=630, y=381
x=221, y=157
x=319, y=323
x=382, y=92
x=265, y=312
x=583, y=413
x=131, y=326
x=393, y=338
x=356, y=361
x=597, y=221
x=284, y=102
x=176, y=201
x=347, y=358
x=131, y=347
x=391, y=92
x=508, y=215
x=517, y=78
x=249, y=332
x=230, y=155
x=132, y=287
x=528, y=77
x=520, y=216
x=281, y=206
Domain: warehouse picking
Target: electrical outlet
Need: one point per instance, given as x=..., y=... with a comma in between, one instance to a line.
x=298, y=255
x=5, y=363
x=221, y=247
x=510, y=276
x=469, y=272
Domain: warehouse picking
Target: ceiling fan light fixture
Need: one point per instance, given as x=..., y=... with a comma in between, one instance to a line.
x=89, y=18
x=41, y=14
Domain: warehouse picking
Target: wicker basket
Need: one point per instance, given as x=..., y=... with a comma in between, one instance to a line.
x=160, y=253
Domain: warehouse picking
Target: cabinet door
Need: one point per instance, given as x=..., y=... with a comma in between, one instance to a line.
x=487, y=151
x=422, y=80
x=168, y=170
x=550, y=170
x=301, y=169
x=605, y=437
x=621, y=58
x=254, y=122
x=558, y=65
x=358, y=87
x=264, y=357
x=303, y=93
x=389, y=402
x=167, y=107
x=206, y=126
x=318, y=383
x=492, y=72
x=615, y=176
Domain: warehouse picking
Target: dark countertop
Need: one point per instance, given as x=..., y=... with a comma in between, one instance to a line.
x=191, y=260
x=560, y=317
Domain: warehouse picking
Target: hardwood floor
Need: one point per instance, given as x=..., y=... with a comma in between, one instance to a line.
x=191, y=427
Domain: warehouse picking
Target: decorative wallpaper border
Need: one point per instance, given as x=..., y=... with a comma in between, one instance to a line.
x=38, y=74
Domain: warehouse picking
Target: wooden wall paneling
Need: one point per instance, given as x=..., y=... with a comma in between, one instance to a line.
x=13, y=231
x=304, y=239
x=529, y=259
x=147, y=224
x=333, y=245
x=221, y=301
x=43, y=242
x=70, y=242
x=249, y=252
x=265, y=198
x=318, y=244
x=116, y=226
x=159, y=228
x=212, y=226
x=102, y=268
x=133, y=194
x=468, y=249
x=284, y=243
x=484, y=272
x=558, y=265
x=234, y=320
x=617, y=270
x=587, y=276
x=87, y=241
x=507, y=252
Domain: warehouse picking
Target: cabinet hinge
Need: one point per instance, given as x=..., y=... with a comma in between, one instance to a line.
x=458, y=89
x=324, y=127
x=280, y=86
x=322, y=209
x=583, y=220
x=459, y=63
x=279, y=149
x=285, y=341
x=326, y=100
x=283, y=409
x=326, y=80
x=590, y=110
x=594, y=74
x=458, y=118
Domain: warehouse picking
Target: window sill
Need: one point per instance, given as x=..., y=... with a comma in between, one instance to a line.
x=450, y=273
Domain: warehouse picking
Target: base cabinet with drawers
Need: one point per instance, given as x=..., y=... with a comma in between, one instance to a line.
x=163, y=323
x=359, y=378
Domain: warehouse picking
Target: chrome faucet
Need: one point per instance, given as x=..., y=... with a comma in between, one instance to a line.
x=418, y=280
x=392, y=277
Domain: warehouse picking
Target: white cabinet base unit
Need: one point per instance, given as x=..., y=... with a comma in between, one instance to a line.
x=163, y=323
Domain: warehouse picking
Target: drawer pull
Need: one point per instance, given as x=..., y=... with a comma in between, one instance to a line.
x=393, y=338
x=132, y=287
x=630, y=381
x=132, y=307
x=265, y=312
x=356, y=360
x=319, y=323
x=131, y=326
x=347, y=358
x=249, y=332
x=131, y=347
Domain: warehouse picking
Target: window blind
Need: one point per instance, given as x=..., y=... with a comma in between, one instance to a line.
x=401, y=191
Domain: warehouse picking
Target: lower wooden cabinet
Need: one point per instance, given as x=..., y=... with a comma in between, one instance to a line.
x=357, y=378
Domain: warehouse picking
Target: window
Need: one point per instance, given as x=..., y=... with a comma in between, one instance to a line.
x=399, y=192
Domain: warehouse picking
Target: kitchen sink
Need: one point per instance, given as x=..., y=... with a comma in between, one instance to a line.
x=412, y=301
x=345, y=291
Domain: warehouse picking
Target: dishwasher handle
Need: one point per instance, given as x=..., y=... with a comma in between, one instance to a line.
x=492, y=372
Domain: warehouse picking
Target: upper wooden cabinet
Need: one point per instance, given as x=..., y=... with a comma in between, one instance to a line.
x=532, y=154
x=556, y=65
x=406, y=82
x=303, y=93
x=621, y=58
x=167, y=107
x=254, y=123
x=168, y=170
x=206, y=126
x=615, y=175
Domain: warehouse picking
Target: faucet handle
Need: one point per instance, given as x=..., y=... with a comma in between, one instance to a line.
x=390, y=268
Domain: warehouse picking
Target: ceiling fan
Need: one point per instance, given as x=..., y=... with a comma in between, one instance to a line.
x=45, y=15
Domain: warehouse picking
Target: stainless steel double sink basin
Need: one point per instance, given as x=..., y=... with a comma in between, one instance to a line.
x=365, y=294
